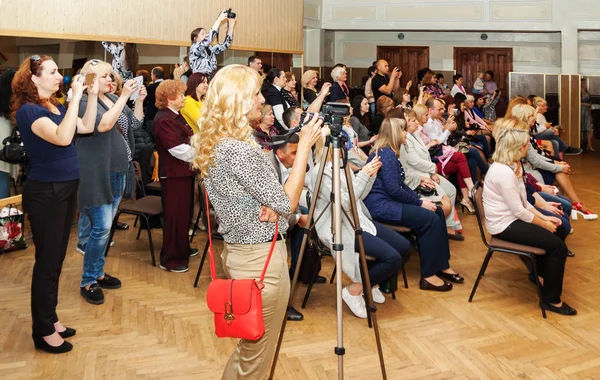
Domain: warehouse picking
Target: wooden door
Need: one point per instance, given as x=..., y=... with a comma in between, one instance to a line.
x=470, y=61
x=410, y=59
x=282, y=61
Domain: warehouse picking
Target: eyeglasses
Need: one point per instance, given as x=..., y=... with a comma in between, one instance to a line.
x=94, y=62
x=33, y=58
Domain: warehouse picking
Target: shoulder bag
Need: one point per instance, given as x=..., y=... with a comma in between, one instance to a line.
x=237, y=304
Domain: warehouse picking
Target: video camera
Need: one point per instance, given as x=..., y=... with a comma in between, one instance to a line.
x=332, y=114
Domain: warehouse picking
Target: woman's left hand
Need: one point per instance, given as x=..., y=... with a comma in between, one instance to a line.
x=556, y=221
x=267, y=215
x=554, y=207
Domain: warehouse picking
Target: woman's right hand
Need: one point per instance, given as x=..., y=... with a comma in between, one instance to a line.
x=310, y=133
x=549, y=226
x=428, y=205
x=267, y=215
x=372, y=167
x=78, y=85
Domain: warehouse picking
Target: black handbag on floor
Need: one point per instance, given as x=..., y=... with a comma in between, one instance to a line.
x=13, y=150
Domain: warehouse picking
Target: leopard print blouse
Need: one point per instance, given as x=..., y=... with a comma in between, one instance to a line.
x=241, y=181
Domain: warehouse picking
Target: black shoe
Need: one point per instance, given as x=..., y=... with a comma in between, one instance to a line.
x=93, y=295
x=570, y=254
x=320, y=280
x=457, y=237
x=109, y=282
x=455, y=278
x=294, y=315
x=426, y=285
x=41, y=344
x=69, y=332
x=121, y=226
x=573, y=151
x=194, y=252
x=563, y=310
x=181, y=269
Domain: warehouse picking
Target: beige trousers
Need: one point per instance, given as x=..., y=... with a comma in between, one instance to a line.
x=251, y=360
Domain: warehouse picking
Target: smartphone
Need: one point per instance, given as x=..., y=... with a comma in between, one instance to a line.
x=140, y=83
x=90, y=78
x=438, y=203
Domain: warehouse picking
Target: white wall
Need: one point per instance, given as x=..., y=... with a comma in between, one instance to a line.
x=532, y=52
x=494, y=17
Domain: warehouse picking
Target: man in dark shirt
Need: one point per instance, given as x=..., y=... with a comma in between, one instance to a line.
x=383, y=82
x=150, y=110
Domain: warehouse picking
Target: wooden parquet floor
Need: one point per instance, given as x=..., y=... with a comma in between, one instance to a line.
x=157, y=326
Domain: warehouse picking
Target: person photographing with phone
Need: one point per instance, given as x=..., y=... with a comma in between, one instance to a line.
x=384, y=82
x=203, y=55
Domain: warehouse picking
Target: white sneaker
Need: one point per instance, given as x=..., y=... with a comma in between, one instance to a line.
x=355, y=303
x=378, y=297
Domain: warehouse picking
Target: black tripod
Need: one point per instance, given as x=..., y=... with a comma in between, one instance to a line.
x=336, y=143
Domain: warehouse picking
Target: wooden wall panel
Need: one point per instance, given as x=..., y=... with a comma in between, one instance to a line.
x=574, y=133
x=263, y=25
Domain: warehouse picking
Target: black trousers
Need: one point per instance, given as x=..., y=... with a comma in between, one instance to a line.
x=551, y=266
x=50, y=207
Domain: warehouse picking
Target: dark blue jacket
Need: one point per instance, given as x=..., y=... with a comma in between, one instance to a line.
x=389, y=191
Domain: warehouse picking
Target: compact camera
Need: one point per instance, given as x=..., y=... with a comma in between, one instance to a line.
x=230, y=14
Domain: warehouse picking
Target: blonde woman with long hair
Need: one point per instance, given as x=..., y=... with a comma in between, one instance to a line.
x=380, y=242
x=509, y=216
x=391, y=201
x=248, y=198
x=550, y=171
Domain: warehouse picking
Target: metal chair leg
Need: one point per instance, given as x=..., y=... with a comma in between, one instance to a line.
x=332, y=275
x=403, y=276
x=140, y=229
x=195, y=228
x=201, y=264
x=149, y=239
x=488, y=256
x=537, y=284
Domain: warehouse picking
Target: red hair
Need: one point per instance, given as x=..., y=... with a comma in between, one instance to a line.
x=168, y=89
x=23, y=88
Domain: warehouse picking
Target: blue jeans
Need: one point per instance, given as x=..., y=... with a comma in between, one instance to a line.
x=482, y=142
x=4, y=185
x=94, y=231
x=564, y=201
x=557, y=143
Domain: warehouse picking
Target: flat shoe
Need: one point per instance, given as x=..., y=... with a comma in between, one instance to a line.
x=563, y=310
x=570, y=254
x=426, y=285
x=455, y=278
x=457, y=237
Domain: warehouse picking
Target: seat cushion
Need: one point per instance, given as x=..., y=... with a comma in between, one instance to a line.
x=498, y=243
x=151, y=205
x=155, y=186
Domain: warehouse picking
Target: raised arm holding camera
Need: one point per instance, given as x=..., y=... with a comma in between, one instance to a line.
x=203, y=55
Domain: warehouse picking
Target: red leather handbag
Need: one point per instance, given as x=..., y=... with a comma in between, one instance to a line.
x=237, y=304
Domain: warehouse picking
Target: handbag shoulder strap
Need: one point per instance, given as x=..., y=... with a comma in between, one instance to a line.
x=213, y=271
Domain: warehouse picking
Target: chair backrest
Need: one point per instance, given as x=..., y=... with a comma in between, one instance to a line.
x=138, y=179
x=477, y=196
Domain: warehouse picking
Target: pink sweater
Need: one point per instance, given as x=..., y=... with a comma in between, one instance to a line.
x=504, y=199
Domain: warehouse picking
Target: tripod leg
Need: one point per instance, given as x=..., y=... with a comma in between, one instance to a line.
x=371, y=309
x=309, y=226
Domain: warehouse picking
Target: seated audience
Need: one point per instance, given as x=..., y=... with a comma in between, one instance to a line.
x=274, y=82
x=549, y=171
x=310, y=78
x=289, y=90
x=431, y=87
x=265, y=127
x=339, y=89
x=360, y=113
x=509, y=216
x=458, y=86
x=391, y=201
x=543, y=130
x=440, y=82
x=384, y=105
x=197, y=85
x=172, y=135
x=415, y=158
x=381, y=243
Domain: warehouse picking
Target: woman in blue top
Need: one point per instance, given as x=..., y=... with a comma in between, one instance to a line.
x=50, y=193
x=391, y=201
